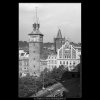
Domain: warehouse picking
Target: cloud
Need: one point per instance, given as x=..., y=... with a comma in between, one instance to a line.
x=51, y=15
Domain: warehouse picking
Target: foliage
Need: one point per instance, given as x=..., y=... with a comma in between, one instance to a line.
x=57, y=72
x=28, y=85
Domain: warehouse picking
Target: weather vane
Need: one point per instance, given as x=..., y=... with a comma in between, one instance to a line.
x=36, y=11
x=59, y=27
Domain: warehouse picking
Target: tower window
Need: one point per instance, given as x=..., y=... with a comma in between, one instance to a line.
x=33, y=51
x=33, y=44
x=34, y=66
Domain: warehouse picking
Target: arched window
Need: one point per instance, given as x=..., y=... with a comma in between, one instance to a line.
x=67, y=62
x=63, y=62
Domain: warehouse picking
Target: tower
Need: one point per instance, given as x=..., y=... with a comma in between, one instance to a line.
x=35, y=46
x=58, y=41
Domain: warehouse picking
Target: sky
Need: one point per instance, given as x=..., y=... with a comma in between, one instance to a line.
x=52, y=16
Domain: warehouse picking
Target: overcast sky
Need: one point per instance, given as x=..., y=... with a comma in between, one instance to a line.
x=67, y=16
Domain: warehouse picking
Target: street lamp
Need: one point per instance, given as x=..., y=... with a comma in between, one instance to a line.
x=43, y=82
x=35, y=82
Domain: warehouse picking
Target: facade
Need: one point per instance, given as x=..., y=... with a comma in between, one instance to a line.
x=67, y=55
x=52, y=61
x=43, y=65
x=23, y=66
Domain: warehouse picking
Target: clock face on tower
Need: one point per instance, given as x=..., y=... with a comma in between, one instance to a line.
x=34, y=39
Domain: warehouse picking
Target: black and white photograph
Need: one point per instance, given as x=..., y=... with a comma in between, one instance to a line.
x=49, y=50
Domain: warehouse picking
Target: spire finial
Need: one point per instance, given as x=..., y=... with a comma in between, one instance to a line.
x=59, y=27
x=59, y=33
x=36, y=13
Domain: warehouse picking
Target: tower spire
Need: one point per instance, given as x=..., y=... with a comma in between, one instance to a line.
x=59, y=35
x=36, y=14
x=36, y=24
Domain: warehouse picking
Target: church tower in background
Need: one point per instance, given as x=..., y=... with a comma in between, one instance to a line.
x=58, y=41
x=35, y=48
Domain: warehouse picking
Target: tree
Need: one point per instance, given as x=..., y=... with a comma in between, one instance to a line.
x=28, y=86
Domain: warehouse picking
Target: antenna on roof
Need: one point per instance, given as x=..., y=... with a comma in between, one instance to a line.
x=36, y=14
x=36, y=11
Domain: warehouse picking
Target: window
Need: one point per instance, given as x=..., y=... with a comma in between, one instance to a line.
x=60, y=53
x=67, y=62
x=33, y=51
x=34, y=66
x=73, y=63
x=60, y=62
x=34, y=58
x=73, y=53
x=63, y=62
x=33, y=44
x=25, y=68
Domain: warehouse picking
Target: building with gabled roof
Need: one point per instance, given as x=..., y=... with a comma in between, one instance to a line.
x=58, y=41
